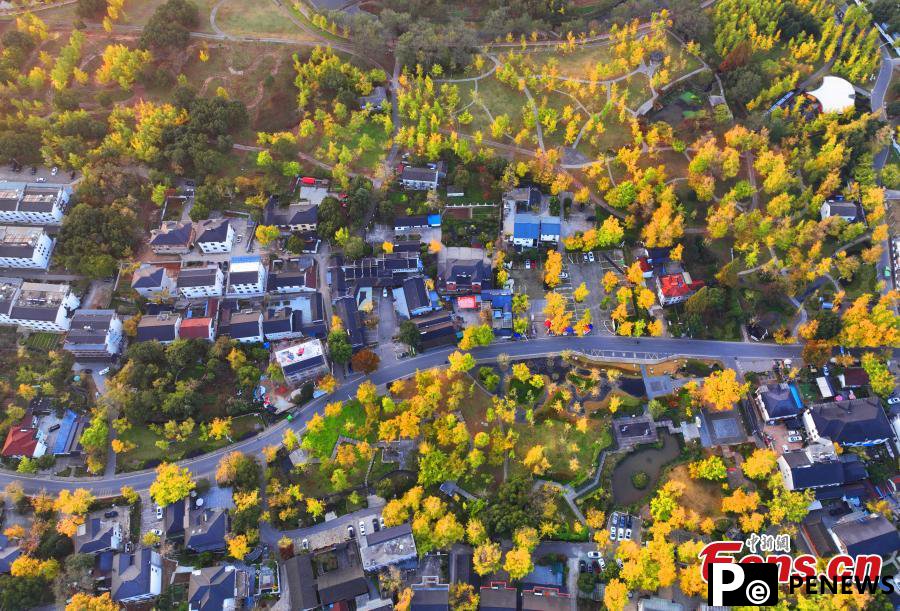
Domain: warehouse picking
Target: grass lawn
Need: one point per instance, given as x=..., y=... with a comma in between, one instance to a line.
x=475, y=408
x=246, y=18
x=348, y=423
x=146, y=451
x=637, y=89
x=44, y=341
x=502, y=99
x=562, y=443
x=579, y=63
x=702, y=496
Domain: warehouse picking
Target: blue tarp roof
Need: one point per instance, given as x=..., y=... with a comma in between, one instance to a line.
x=527, y=227
x=551, y=228
x=66, y=429
x=434, y=220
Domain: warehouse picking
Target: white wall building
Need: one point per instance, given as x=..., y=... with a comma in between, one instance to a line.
x=151, y=281
x=246, y=277
x=36, y=306
x=94, y=334
x=33, y=204
x=214, y=236
x=201, y=282
x=25, y=247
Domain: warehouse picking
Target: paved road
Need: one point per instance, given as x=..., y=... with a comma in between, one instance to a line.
x=611, y=347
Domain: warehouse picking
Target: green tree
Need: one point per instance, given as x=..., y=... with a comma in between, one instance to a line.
x=409, y=334
x=339, y=347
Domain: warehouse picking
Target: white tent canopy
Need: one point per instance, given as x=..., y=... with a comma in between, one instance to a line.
x=835, y=94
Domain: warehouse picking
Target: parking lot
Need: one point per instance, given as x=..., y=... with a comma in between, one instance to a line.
x=575, y=271
x=624, y=526
x=333, y=532
x=777, y=437
x=42, y=175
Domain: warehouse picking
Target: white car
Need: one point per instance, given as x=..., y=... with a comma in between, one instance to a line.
x=594, y=555
x=156, y=532
x=893, y=400
x=527, y=263
x=54, y=171
x=104, y=371
x=591, y=256
x=159, y=512
x=602, y=563
x=305, y=545
x=563, y=275
x=612, y=534
x=795, y=438
x=362, y=527
x=621, y=534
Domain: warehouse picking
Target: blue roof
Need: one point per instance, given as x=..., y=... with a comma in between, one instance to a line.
x=66, y=429
x=549, y=228
x=527, y=226
x=434, y=220
x=246, y=259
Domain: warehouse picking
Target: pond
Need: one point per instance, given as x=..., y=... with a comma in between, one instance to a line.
x=650, y=460
x=633, y=386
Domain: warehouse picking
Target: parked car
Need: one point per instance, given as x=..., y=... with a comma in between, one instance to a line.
x=795, y=438
x=612, y=534
x=362, y=527
x=159, y=512
x=305, y=545
x=602, y=563
x=384, y=292
x=793, y=432
x=375, y=525
x=103, y=371
x=110, y=514
x=55, y=427
x=594, y=554
x=628, y=521
x=585, y=257
x=627, y=533
x=582, y=566
x=527, y=263
x=41, y=179
x=351, y=532
x=563, y=275
x=54, y=171
x=621, y=534
x=596, y=566
x=156, y=532
x=381, y=521
x=893, y=400
x=591, y=256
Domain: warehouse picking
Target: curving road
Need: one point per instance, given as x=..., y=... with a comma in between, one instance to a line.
x=612, y=347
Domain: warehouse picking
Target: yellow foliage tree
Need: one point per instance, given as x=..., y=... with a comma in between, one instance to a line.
x=518, y=563
x=721, y=390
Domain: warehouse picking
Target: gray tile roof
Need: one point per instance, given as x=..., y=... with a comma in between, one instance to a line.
x=194, y=277
x=871, y=534
x=209, y=588
x=148, y=276
x=212, y=230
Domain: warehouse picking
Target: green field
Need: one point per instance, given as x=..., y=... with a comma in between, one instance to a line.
x=145, y=450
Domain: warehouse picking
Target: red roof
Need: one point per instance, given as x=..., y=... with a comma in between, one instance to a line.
x=194, y=328
x=466, y=303
x=20, y=440
x=674, y=285
x=308, y=180
x=312, y=278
